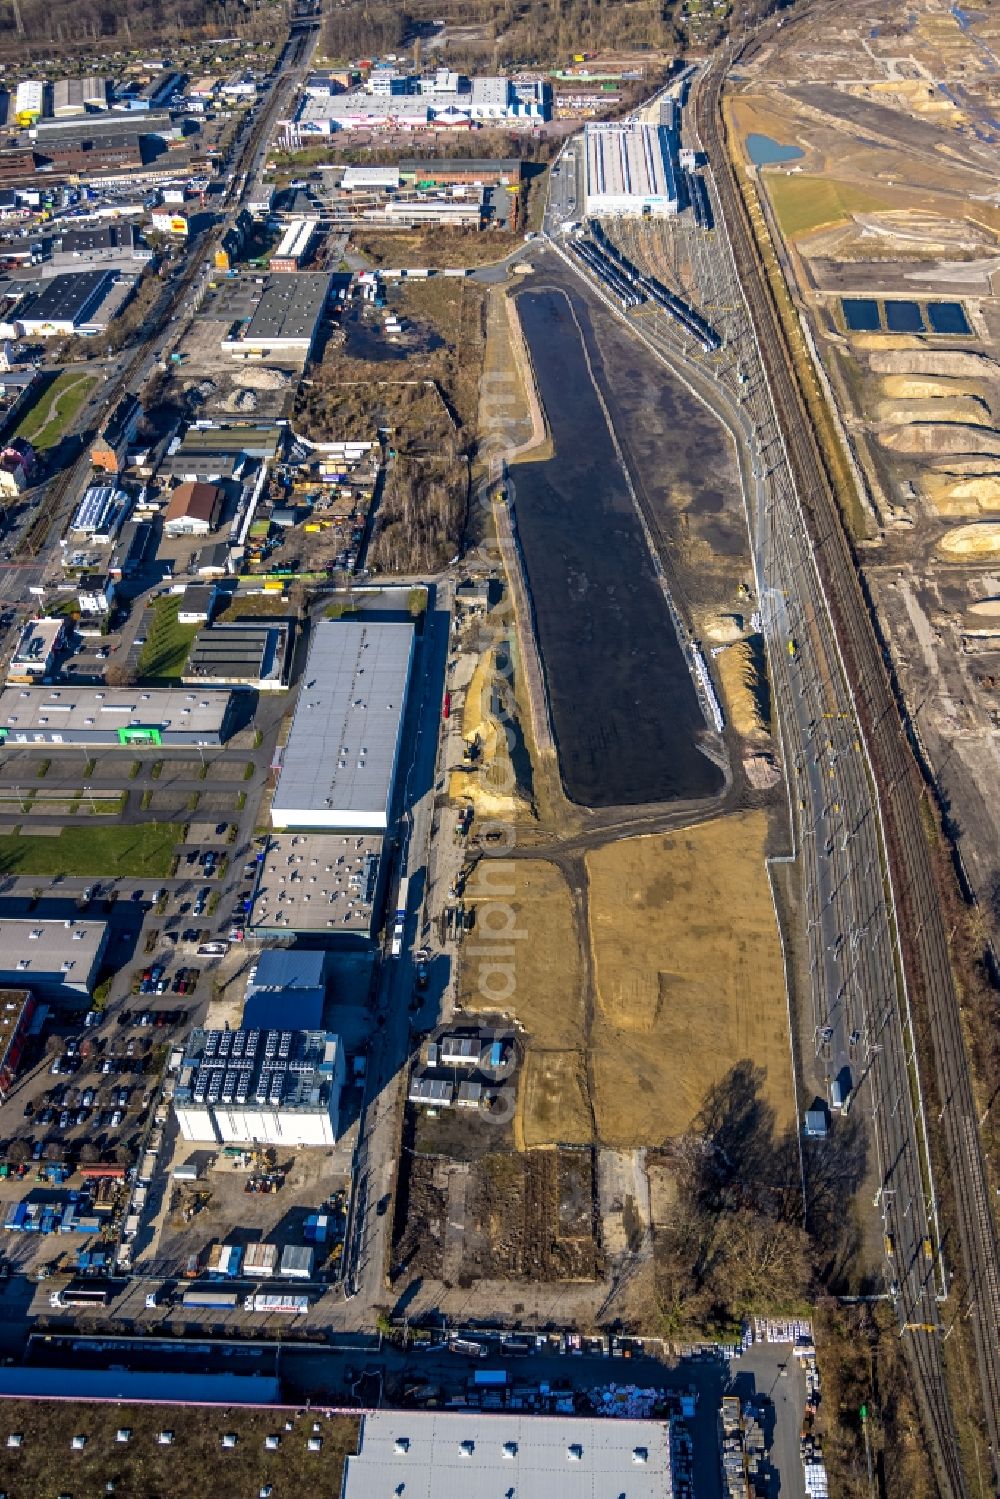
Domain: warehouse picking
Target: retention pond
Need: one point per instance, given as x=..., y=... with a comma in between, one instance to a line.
x=625, y=714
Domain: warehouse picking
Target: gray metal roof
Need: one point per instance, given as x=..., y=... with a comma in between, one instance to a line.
x=291, y=307
x=318, y=882
x=200, y=710
x=439, y=1455
x=288, y=968
x=338, y=766
x=36, y=951
x=66, y=298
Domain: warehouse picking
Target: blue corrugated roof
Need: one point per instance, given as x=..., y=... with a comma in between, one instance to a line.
x=284, y=1010
x=288, y=968
x=123, y=1384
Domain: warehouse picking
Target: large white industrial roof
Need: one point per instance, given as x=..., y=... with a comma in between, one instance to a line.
x=337, y=768
x=440, y=1455
x=628, y=160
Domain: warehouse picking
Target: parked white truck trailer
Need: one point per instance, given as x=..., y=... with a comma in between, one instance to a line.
x=270, y=1302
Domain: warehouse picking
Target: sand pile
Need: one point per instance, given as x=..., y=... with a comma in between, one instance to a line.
x=491, y=781
x=977, y=542
x=724, y=629
x=744, y=687
x=957, y=467
x=915, y=388
x=916, y=234
x=942, y=437
x=968, y=409
x=917, y=361
x=977, y=495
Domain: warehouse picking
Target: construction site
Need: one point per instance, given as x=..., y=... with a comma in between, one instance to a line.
x=873, y=174
x=631, y=1002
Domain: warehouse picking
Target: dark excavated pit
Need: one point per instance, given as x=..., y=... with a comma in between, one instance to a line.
x=365, y=338
x=626, y=717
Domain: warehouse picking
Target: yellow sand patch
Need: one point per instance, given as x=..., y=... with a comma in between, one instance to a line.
x=688, y=973
x=979, y=541
x=968, y=409
x=974, y=496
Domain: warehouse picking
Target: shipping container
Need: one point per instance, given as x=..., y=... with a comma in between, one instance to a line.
x=219, y=1300
x=297, y=1262
x=260, y=1260
x=269, y=1304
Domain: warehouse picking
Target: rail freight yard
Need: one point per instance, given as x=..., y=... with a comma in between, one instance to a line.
x=481, y=949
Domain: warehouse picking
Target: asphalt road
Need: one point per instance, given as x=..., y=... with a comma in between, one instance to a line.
x=367, y=1245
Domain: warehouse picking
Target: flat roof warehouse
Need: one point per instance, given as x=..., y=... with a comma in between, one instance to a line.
x=445, y=1455
x=66, y=299
x=339, y=766
x=287, y=317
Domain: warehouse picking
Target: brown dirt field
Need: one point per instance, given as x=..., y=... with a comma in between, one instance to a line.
x=531, y=1217
x=418, y=1236
x=547, y=996
x=547, y=999
x=554, y=1107
x=434, y=247
x=689, y=976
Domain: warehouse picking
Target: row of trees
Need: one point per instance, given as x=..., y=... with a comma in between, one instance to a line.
x=736, y=1243
x=516, y=31
x=55, y=23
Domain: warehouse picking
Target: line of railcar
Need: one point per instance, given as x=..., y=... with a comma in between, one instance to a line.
x=625, y=293
x=701, y=203
x=648, y=286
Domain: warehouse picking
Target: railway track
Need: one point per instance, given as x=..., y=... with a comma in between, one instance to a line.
x=923, y=942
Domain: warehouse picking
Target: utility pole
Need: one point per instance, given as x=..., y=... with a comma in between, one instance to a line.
x=17, y=17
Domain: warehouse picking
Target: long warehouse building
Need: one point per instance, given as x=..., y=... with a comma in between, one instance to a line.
x=122, y=716
x=631, y=170
x=448, y=1455
x=338, y=769
x=294, y=246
